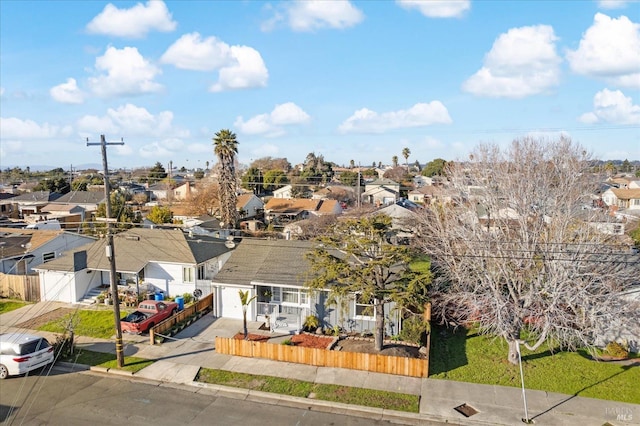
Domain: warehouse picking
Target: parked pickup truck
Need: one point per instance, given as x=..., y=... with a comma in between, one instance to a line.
x=148, y=314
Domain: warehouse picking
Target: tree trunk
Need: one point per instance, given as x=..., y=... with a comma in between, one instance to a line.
x=513, y=350
x=379, y=334
x=244, y=324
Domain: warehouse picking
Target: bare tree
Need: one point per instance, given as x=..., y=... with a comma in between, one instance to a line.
x=205, y=200
x=521, y=250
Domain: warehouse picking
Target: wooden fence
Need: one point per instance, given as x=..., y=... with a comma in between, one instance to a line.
x=20, y=287
x=413, y=367
x=201, y=306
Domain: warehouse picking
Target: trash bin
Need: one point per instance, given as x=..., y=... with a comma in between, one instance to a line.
x=159, y=296
x=180, y=302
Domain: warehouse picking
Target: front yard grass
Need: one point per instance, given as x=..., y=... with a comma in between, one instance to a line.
x=90, y=323
x=299, y=388
x=466, y=356
x=7, y=305
x=108, y=360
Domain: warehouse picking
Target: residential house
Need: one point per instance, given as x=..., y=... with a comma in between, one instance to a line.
x=427, y=194
x=283, y=192
x=22, y=250
x=29, y=203
x=381, y=192
x=420, y=181
x=249, y=206
x=5, y=206
x=166, y=260
x=279, y=211
x=88, y=200
x=70, y=216
x=275, y=271
x=184, y=191
x=622, y=198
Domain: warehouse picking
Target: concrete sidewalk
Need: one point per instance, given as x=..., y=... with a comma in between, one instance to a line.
x=179, y=360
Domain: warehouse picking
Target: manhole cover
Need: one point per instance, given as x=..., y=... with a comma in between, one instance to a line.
x=466, y=410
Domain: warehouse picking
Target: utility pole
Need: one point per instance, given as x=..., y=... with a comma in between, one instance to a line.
x=110, y=252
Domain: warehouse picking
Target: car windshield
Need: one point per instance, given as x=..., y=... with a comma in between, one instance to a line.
x=33, y=346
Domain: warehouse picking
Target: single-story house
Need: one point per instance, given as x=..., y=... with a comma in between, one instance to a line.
x=622, y=198
x=88, y=200
x=22, y=250
x=249, y=205
x=28, y=203
x=167, y=260
x=281, y=211
x=283, y=192
x=275, y=271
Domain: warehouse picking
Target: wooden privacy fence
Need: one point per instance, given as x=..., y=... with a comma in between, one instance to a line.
x=413, y=367
x=201, y=306
x=21, y=287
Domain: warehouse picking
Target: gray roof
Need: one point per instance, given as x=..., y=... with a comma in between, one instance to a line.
x=266, y=261
x=137, y=247
x=36, y=196
x=82, y=197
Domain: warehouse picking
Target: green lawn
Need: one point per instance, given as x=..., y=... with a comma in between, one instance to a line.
x=91, y=323
x=7, y=305
x=108, y=360
x=467, y=357
x=299, y=388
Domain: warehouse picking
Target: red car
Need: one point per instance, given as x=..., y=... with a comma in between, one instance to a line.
x=148, y=314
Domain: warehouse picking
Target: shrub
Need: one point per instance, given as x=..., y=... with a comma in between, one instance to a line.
x=311, y=323
x=288, y=342
x=187, y=298
x=414, y=330
x=615, y=349
x=64, y=346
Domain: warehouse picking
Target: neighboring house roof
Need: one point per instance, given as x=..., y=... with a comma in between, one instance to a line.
x=328, y=207
x=82, y=197
x=15, y=240
x=380, y=190
x=37, y=196
x=290, y=205
x=61, y=207
x=626, y=194
x=243, y=200
x=137, y=247
x=266, y=262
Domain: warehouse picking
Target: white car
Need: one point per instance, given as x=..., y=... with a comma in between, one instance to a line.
x=21, y=353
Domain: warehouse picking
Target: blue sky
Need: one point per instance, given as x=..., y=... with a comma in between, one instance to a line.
x=357, y=80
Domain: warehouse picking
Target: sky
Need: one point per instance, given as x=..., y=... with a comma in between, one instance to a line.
x=348, y=80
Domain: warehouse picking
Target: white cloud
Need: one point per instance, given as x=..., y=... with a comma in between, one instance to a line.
x=249, y=71
x=522, y=62
x=612, y=106
x=67, y=93
x=127, y=73
x=131, y=120
x=270, y=124
x=609, y=49
x=437, y=8
x=310, y=15
x=1, y=91
x=15, y=128
x=135, y=22
x=614, y=4
x=191, y=52
x=164, y=148
x=422, y=114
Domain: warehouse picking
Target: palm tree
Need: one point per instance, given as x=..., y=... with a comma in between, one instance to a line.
x=226, y=148
x=394, y=160
x=245, y=300
x=405, y=153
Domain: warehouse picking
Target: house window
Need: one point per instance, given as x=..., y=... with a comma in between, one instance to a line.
x=187, y=274
x=290, y=295
x=201, y=272
x=46, y=257
x=635, y=202
x=364, y=307
x=275, y=296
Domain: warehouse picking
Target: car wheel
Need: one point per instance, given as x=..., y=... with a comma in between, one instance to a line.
x=4, y=372
x=174, y=312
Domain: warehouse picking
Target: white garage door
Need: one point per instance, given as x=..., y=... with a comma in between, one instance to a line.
x=231, y=306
